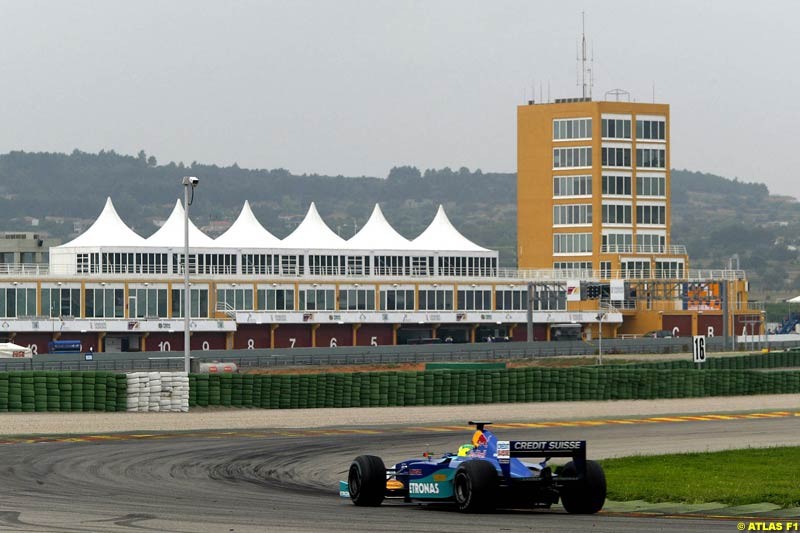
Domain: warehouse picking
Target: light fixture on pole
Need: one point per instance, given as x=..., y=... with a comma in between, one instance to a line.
x=600, y=316
x=189, y=182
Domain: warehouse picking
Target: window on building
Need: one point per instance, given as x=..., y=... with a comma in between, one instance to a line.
x=572, y=128
x=579, y=156
x=572, y=185
x=651, y=214
x=605, y=269
x=650, y=242
x=570, y=214
x=198, y=299
x=617, y=213
x=356, y=299
x=151, y=263
x=21, y=303
x=616, y=185
x=573, y=265
x=511, y=299
x=616, y=128
x=397, y=300
x=616, y=157
x=651, y=158
x=435, y=300
x=276, y=299
x=392, y=265
x=265, y=264
x=147, y=303
x=617, y=242
x=655, y=130
x=572, y=243
x=317, y=300
x=635, y=269
x=651, y=186
x=103, y=303
x=669, y=269
x=236, y=299
x=474, y=300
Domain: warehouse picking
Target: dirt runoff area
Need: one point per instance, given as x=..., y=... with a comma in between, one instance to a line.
x=242, y=419
x=543, y=362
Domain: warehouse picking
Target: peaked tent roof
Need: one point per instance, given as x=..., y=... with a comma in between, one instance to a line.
x=171, y=233
x=442, y=235
x=107, y=230
x=313, y=233
x=378, y=234
x=246, y=232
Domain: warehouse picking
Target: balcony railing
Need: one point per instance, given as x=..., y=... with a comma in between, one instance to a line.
x=672, y=249
x=491, y=275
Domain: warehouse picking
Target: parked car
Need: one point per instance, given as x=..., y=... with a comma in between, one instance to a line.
x=659, y=334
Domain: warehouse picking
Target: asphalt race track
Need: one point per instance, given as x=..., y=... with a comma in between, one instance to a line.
x=275, y=480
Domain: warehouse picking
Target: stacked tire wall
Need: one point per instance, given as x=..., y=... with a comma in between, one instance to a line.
x=157, y=392
x=443, y=387
x=62, y=391
x=786, y=359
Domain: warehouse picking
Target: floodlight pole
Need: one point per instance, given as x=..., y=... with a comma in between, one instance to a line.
x=187, y=301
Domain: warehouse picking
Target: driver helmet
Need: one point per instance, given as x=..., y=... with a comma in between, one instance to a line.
x=464, y=449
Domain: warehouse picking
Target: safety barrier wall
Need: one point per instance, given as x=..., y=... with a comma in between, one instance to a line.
x=448, y=387
x=353, y=355
x=157, y=391
x=785, y=359
x=62, y=391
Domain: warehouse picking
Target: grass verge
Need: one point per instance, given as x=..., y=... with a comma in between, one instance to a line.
x=732, y=477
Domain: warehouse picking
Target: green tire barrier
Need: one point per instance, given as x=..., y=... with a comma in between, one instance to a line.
x=785, y=359
x=451, y=387
x=54, y=391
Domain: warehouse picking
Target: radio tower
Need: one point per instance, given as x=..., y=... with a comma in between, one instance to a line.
x=585, y=82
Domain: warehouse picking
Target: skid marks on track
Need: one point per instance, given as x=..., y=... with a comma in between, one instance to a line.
x=323, y=432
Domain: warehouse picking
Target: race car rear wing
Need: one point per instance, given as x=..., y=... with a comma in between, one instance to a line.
x=576, y=449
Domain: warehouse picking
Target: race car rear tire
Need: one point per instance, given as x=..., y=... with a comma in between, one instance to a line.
x=585, y=497
x=475, y=486
x=366, y=481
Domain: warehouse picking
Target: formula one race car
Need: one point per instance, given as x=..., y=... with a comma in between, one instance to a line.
x=484, y=475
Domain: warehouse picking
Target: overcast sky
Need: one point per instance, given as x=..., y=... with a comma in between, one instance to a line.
x=357, y=87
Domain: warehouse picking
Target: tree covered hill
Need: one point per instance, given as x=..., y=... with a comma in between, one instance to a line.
x=714, y=216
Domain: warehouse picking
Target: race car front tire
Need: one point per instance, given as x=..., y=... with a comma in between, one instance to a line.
x=587, y=496
x=475, y=486
x=366, y=481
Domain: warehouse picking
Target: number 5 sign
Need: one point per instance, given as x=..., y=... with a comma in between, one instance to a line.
x=699, y=349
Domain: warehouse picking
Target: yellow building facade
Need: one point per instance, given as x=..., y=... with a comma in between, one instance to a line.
x=593, y=189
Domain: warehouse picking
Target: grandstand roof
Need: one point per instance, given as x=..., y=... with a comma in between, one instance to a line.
x=247, y=232
x=313, y=233
x=108, y=228
x=442, y=235
x=171, y=233
x=378, y=234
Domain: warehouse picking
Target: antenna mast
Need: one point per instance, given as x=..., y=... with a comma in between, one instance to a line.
x=585, y=72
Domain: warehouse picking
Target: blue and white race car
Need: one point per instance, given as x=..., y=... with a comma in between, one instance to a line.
x=484, y=475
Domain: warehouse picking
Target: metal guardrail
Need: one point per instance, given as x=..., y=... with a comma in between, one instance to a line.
x=367, y=355
x=494, y=274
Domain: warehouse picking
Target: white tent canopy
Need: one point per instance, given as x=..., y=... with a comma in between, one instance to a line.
x=795, y=300
x=108, y=229
x=247, y=232
x=442, y=235
x=171, y=234
x=9, y=350
x=313, y=234
x=378, y=234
